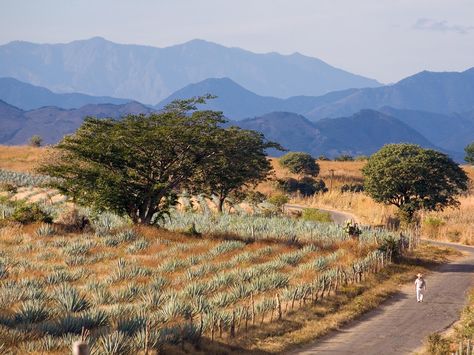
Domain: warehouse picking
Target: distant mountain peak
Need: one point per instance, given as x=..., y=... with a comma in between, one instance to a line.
x=99, y=67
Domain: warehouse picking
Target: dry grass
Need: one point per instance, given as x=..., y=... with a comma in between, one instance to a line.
x=20, y=158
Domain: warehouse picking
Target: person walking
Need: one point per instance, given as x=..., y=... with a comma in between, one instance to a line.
x=420, y=287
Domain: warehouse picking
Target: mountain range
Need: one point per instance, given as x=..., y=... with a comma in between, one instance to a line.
x=433, y=109
x=28, y=97
x=148, y=74
x=358, y=134
x=443, y=93
x=52, y=123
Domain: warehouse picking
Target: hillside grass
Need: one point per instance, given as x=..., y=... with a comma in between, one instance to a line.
x=20, y=158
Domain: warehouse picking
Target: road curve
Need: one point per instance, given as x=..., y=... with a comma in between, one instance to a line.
x=337, y=216
x=400, y=324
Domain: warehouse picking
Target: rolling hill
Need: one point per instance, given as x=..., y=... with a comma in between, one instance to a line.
x=52, y=123
x=360, y=134
x=28, y=97
x=238, y=103
x=444, y=92
x=148, y=74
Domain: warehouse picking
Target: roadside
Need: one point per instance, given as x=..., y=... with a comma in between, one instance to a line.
x=314, y=321
x=338, y=217
x=400, y=325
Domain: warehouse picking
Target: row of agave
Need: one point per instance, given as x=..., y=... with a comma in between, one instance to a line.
x=264, y=228
x=23, y=179
x=185, y=315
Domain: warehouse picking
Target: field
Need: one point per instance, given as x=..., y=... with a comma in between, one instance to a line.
x=203, y=276
x=202, y=282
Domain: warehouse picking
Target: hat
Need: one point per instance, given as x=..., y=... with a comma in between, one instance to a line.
x=419, y=275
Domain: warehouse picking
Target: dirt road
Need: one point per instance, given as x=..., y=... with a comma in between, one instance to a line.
x=401, y=324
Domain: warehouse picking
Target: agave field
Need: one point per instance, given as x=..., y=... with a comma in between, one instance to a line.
x=132, y=288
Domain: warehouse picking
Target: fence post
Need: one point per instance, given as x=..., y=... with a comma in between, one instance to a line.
x=80, y=348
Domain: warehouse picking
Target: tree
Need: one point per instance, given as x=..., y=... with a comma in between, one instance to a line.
x=469, y=158
x=239, y=163
x=413, y=178
x=300, y=163
x=135, y=166
x=36, y=141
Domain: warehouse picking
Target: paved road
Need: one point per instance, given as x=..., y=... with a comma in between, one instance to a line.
x=401, y=324
x=337, y=216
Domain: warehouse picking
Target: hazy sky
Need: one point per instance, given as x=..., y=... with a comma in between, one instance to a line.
x=382, y=39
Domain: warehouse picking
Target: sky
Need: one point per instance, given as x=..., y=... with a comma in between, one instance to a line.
x=382, y=39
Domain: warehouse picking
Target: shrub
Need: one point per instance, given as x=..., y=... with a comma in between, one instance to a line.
x=437, y=345
x=390, y=246
x=432, y=225
x=8, y=187
x=30, y=213
x=352, y=188
x=278, y=200
x=288, y=185
x=352, y=229
x=307, y=186
x=36, y=141
x=315, y=215
x=344, y=157
x=73, y=220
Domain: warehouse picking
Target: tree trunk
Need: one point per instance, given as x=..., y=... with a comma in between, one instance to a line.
x=220, y=206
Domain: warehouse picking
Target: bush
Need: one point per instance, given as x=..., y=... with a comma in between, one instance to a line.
x=437, y=345
x=315, y=215
x=25, y=214
x=352, y=229
x=254, y=198
x=307, y=186
x=36, y=141
x=344, y=157
x=390, y=246
x=323, y=158
x=288, y=185
x=8, y=187
x=278, y=200
x=431, y=226
x=73, y=220
x=352, y=188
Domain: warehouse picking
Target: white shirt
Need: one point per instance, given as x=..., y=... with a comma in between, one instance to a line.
x=420, y=284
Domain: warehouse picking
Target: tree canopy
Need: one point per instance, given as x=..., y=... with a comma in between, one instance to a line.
x=137, y=165
x=240, y=162
x=469, y=150
x=413, y=178
x=300, y=163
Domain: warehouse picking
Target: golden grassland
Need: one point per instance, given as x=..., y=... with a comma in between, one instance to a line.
x=117, y=272
x=20, y=158
x=453, y=224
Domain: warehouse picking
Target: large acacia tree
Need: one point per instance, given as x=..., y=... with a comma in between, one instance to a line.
x=413, y=178
x=136, y=165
